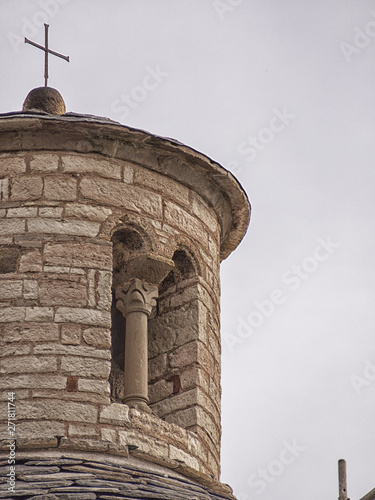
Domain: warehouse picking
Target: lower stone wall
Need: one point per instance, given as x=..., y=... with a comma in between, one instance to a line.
x=113, y=429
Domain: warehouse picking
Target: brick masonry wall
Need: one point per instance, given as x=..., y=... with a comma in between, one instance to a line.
x=58, y=211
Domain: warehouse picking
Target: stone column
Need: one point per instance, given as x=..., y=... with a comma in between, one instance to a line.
x=135, y=300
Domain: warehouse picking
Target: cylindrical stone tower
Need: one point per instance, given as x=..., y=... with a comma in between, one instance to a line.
x=111, y=240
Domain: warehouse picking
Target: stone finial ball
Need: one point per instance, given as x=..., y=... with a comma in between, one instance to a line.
x=45, y=99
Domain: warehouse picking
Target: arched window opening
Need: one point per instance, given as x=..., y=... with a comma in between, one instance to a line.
x=185, y=267
x=126, y=242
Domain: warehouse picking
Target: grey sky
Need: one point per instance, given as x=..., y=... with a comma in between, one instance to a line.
x=269, y=89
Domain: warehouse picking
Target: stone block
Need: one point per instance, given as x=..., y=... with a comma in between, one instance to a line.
x=185, y=418
x=115, y=414
x=12, y=227
x=62, y=226
x=52, y=409
x=179, y=218
x=82, y=430
x=85, y=164
x=10, y=289
x=182, y=456
x=22, y=212
x=76, y=254
x=145, y=446
x=85, y=367
x=160, y=390
x=44, y=163
x=192, y=352
x=60, y=188
x=31, y=262
x=97, y=337
x=62, y=293
x=10, y=166
x=8, y=260
x=39, y=314
x=109, y=435
x=9, y=314
x=204, y=213
x=40, y=429
x=175, y=402
x=122, y=195
x=83, y=316
x=29, y=364
x=30, y=289
x=15, y=350
x=26, y=188
x=157, y=366
x=4, y=190
x=71, y=334
x=90, y=212
x=72, y=350
x=32, y=332
x=163, y=184
x=96, y=386
x=103, y=290
x=53, y=212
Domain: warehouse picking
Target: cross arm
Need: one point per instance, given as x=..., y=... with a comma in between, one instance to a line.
x=43, y=48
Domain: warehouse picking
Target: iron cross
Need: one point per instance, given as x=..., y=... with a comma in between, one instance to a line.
x=46, y=52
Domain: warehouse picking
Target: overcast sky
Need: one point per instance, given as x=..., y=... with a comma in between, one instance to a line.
x=281, y=92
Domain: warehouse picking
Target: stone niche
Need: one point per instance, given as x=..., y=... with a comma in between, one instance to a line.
x=102, y=228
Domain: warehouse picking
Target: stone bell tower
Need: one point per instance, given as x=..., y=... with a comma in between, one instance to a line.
x=110, y=244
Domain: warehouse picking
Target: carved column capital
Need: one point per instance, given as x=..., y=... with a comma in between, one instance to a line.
x=136, y=296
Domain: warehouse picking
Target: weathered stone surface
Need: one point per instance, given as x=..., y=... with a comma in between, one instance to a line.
x=31, y=262
x=22, y=212
x=32, y=332
x=162, y=184
x=4, y=190
x=157, y=366
x=71, y=334
x=96, y=386
x=182, y=456
x=30, y=364
x=8, y=260
x=115, y=414
x=57, y=382
x=91, y=212
x=83, y=316
x=26, y=188
x=44, y=162
x=180, y=218
x=55, y=212
x=97, y=337
x=122, y=195
x=160, y=390
x=12, y=227
x=86, y=367
x=82, y=430
x=30, y=289
x=8, y=314
x=40, y=429
x=12, y=165
x=54, y=410
x=62, y=293
x=79, y=255
x=15, y=350
x=84, y=164
x=60, y=188
x=73, y=350
x=109, y=435
x=39, y=314
x=10, y=289
x=63, y=226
